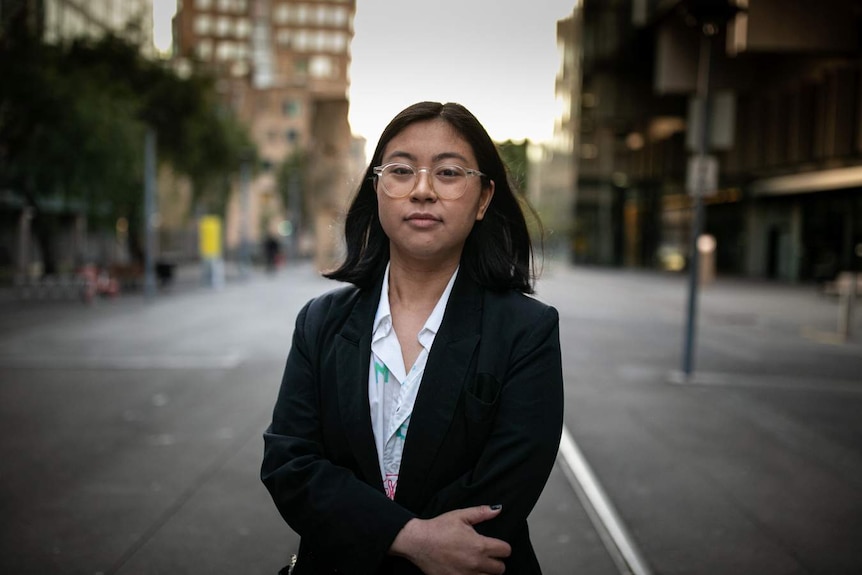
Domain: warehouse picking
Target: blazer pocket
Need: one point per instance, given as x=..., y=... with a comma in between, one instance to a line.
x=481, y=397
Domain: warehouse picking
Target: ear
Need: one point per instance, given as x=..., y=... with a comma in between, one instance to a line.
x=485, y=199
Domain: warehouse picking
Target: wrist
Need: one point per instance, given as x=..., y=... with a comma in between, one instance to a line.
x=405, y=543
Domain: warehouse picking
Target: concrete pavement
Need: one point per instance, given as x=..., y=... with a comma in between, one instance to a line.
x=130, y=430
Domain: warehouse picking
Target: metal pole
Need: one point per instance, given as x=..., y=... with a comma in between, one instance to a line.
x=150, y=213
x=244, y=255
x=295, y=214
x=698, y=216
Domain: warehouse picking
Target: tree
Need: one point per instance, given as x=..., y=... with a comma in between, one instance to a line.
x=72, y=119
x=514, y=155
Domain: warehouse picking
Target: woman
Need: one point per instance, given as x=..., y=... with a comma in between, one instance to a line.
x=421, y=407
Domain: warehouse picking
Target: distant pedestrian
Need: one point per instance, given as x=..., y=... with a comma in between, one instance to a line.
x=271, y=250
x=421, y=408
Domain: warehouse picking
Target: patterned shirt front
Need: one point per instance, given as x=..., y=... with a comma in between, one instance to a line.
x=392, y=390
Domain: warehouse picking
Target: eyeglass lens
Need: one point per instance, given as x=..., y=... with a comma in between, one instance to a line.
x=448, y=182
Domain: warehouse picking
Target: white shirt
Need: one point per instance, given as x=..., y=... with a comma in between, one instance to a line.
x=392, y=390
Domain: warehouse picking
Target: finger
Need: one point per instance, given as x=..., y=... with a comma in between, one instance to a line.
x=493, y=567
x=497, y=548
x=474, y=515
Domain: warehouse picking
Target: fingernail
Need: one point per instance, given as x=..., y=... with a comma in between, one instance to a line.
x=496, y=507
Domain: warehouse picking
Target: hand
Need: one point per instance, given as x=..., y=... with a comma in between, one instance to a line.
x=448, y=544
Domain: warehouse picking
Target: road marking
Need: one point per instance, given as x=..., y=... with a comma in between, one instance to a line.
x=607, y=522
x=764, y=381
x=127, y=362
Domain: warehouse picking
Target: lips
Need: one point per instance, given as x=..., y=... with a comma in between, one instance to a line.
x=422, y=217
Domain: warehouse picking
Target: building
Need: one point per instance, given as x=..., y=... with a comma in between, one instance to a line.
x=785, y=127
x=553, y=169
x=283, y=66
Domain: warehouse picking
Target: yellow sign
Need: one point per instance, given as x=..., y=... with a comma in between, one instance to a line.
x=209, y=232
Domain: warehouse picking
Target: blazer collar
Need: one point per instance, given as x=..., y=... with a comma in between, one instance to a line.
x=353, y=356
x=445, y=374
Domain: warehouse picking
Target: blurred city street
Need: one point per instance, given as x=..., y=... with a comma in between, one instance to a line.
x=130, y=429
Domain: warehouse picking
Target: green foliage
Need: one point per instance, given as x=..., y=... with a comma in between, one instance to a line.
x=514, y=155
x=73, y=118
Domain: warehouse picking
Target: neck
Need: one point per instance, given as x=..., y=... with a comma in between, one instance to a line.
x=417, y=284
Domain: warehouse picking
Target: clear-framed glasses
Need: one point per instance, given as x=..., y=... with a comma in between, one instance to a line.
x=449, y=181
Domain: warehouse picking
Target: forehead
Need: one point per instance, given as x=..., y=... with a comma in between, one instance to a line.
x=427, y=140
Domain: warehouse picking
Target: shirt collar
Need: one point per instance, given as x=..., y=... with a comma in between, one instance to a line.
x=383, y=318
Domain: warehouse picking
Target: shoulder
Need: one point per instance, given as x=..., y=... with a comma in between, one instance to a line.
x=328, y=310
x=515, y=306
x=513, y=318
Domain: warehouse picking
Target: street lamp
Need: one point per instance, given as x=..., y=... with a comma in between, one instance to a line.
x=709, y=15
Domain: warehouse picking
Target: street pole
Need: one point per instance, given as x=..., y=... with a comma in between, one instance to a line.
x=708, y=31
x=150, y=213
x=295, y=214
x=244, y=255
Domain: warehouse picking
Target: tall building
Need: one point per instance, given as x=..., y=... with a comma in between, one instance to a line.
x=785, y=127
x=553, y=169
x=283, y=66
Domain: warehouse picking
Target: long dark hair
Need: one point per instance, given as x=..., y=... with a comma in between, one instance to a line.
x=498, y=251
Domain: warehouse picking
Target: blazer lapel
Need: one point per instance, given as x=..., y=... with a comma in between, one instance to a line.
x=353, y=355
x=445, y=374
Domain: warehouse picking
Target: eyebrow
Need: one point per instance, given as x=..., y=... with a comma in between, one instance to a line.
x=437, y=158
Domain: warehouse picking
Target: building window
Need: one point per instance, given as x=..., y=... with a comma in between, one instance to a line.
x=339, y=16
x=322, y=67
x=290, y=108
x=292, y=136
x=302, y=14
x=223, y=26
x=225, y=5
x=282, y=37
x=336, y=42
x=321, y=15
x=203, y=25
x=205, y=49
x=281, y=14
x=225, y=51
x=239, y=68
x=203, y=4
x=302, y=41
x=243, y=28
x=300, y=66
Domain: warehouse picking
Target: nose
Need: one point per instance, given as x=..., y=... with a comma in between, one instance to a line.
x=424, y=188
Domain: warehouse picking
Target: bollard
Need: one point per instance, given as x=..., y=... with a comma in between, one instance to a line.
x=847, y=301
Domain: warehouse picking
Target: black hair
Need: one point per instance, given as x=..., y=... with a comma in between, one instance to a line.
x=498, y=251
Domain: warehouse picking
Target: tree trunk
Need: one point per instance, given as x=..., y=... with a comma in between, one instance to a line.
x=44, y=227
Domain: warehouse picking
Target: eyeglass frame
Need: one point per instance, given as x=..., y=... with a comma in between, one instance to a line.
x=378, y=171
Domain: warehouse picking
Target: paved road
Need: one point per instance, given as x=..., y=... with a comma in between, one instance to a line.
x=130, y=431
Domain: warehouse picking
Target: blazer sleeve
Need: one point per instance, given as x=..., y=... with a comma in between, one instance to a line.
x=520, y=452
x=346, y=522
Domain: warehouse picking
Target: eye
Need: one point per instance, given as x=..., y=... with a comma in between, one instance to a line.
x=401, y=170
x=449, y=172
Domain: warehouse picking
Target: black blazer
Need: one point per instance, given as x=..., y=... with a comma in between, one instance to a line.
x=485, y=428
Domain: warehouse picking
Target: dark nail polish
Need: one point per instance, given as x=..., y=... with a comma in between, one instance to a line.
x=496, y=507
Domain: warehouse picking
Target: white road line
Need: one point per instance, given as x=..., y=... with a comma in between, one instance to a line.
x=229, y=360
x=610, y=527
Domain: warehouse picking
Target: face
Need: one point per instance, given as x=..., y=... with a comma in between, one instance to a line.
x=422, y=226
